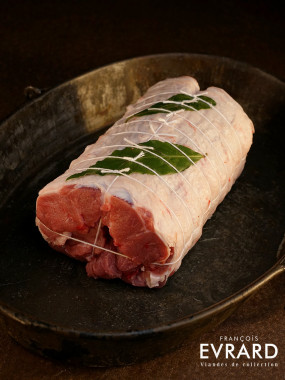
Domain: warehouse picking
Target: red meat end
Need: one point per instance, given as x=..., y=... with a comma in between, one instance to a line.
x=123, y=229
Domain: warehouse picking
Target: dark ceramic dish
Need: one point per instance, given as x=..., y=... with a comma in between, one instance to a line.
x=47, y=301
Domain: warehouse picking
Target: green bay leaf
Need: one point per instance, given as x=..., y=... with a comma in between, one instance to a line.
x=152, y=157
x=182, y=102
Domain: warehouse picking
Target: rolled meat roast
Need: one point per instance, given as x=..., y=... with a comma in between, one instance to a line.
x=135, y=202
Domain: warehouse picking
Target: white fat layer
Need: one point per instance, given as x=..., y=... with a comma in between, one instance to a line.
x=180, y=203
x=121, y=193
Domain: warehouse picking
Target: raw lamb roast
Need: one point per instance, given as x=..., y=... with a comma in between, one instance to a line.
x=135, y=202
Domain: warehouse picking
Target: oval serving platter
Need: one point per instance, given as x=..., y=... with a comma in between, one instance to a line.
x=48, y=303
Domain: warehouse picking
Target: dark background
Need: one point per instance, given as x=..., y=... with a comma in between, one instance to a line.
x=44, y=43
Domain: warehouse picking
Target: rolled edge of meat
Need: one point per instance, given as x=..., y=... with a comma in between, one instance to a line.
x=84, y=214
x=139, y=228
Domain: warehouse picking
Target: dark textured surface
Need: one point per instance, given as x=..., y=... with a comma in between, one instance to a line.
x=261, y=316
x=46, y=44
